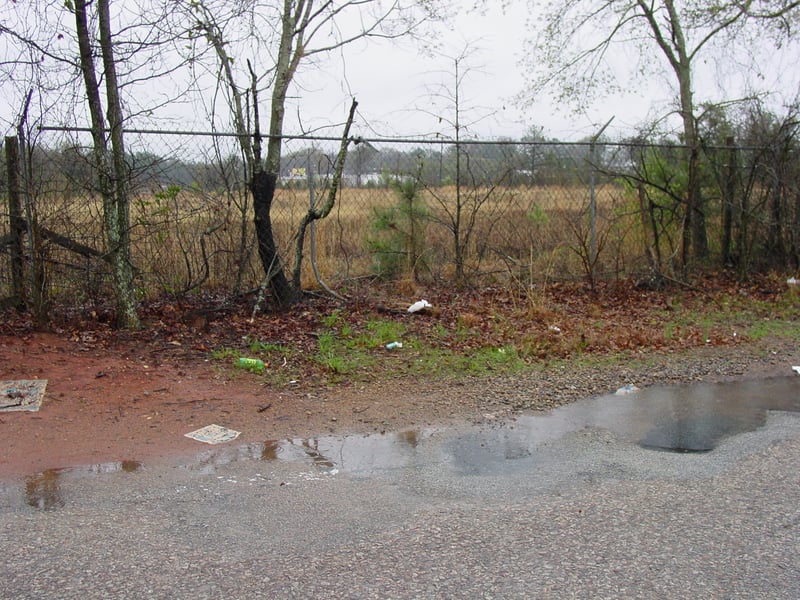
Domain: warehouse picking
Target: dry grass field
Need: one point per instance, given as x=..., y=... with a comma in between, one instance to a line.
x=184, y=240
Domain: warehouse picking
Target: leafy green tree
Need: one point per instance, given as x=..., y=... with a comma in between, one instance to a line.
x=399, y=245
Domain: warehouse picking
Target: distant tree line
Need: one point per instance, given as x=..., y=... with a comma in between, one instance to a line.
x=68, y=168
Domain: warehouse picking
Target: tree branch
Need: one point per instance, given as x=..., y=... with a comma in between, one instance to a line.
x=314, y=214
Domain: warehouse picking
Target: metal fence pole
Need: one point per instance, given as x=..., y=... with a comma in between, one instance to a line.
x=593, y=203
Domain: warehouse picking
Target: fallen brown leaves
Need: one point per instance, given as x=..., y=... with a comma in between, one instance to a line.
x=558, y=320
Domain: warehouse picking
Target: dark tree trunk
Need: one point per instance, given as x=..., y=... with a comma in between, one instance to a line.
x=796, y=232
x=262, y=186
x=695, y=205
x=776, y=249
x=728, y=202
x=16, y=222
x=110, y=169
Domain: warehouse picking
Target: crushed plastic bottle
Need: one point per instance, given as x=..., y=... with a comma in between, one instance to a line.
x=394, y=345
x=250, y=363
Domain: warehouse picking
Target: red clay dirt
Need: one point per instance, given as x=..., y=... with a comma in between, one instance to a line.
x=101, y=407
x=104, y=406
x=114, y=396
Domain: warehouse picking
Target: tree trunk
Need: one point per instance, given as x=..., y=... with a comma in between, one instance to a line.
x=262, y=186
x=776, y=250
x=118, y=223
x=323, y=211
x=676, y=51
x=265, y=180
x=728, y=200
x=796, y=232
x=111, y=175
x=16, y=222
x=696, y=205
x=649, y=231
x=694, y=234
x=743, y=245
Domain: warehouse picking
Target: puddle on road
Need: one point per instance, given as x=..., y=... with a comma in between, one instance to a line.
x=696, y=418
x=356, y=454
x=45, y=490
x=683, y=419
x=693, y=418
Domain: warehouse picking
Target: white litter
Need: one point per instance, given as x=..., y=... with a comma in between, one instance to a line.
x=213, y=434
x=626, y=389
x=796, y=370
x=419, y=305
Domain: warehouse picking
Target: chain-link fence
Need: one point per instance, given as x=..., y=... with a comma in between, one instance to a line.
x=436, y=211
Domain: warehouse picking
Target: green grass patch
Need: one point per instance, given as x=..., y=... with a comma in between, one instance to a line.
x=267, y=348
x=352, y=346
x=770, y=327
x=343, y=350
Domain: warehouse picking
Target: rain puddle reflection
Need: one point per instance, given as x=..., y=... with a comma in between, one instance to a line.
x=45, y=490
x=682, y=419
x=357, y=454
x=692, y=418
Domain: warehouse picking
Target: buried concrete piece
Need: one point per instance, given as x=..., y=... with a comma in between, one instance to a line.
x=25, y=394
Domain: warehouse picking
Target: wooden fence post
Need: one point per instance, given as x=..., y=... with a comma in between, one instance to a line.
x=16, y=225
x=728, y=202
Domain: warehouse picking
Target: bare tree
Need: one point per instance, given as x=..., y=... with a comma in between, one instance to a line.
x=475, y=193
x=575, y=42
x=111, y=174
x=41, y=39
x=282, y=35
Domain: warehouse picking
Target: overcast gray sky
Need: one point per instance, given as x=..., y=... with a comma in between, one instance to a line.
x=397, y=87
x=405, y=93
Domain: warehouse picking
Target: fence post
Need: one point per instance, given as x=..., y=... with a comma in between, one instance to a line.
x=728, y=199
x=593, y=204
x=16, y=223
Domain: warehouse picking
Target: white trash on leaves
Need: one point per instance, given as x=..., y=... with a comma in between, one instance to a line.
x=419, y=305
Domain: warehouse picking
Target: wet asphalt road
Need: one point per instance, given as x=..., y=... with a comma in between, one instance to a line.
x=586, y=515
